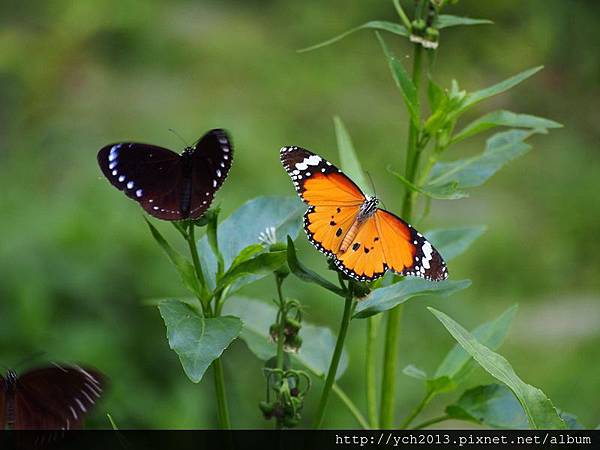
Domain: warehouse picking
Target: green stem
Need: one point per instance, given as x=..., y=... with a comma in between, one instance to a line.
x=388, y=385
x=282, y=317
x=371, y=370
x=415, y=412
x=402, y=15
x=390, y=363
x=222, y=409
x=351, y=406
x=431, y=422
x=191, y=240
x=219, y=378
x=337, y=354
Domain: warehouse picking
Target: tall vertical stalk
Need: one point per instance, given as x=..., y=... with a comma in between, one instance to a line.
x=413, y=153
x=371, y=370
x=335, y=360
x=219, y=378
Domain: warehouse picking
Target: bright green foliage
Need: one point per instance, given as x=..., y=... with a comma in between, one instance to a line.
x=388, y=297
x=197, y=340
x=540, y=411
x=447, y=20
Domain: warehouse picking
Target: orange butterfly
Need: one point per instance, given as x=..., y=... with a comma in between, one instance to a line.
x=348, y=226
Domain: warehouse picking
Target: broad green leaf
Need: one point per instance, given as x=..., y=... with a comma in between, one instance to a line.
x=197, y=340
x=373, y=25
x=477, y=96
x=452, y=242
x=447, y=191
x=404, y=82
x=243, y=227
x=348, y=159
x=446, y=20
x=500, y=149
x=436, y=95
x=317, y=342
x=248, y=253
x=571, y=420
x=540, y=411
x=304, y=273
x=388, y=297
x=184, y=267
x=493, y=405
x=458, y=363
x=263, y=264
x=414, y=372
x=504, y=118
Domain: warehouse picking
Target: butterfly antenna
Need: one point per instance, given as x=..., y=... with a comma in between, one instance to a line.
x=179, y=136
x=372, y=184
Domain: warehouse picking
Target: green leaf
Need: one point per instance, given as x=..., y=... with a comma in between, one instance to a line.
x=197, y=340
x=571, y=420
x=540, y=411
x=184, y=267
x=436, y=95
x=248, y=253
x=263, y=264
x=458, y=363
x=500, y=149
x=446, y=20
x=493, y=405
x=243, y=227
x=447, y=191
x=374, y=25
x=404, y=82
x=317, y=342
x=477, y=96
x=388, y=297
x=505, y=119
x=452, y=242
x=305, y=274
x=348, y=159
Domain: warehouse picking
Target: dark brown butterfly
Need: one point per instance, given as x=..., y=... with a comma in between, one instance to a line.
x=49, y=398
x=167, y=185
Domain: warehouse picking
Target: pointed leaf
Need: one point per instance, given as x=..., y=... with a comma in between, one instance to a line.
x=348, y=159
x=500, y=149
x=493, y=405
x=197, y=340
x=243, y=227
x=263, y=264
x=458, y=363
x=446, y=20
x=388, y=297
x=304, y=273
x=404, y=82
x=452, y=242
x=183, y=266
x=317, y=342
x=374, y=25
x=503, y=86
x=505, y=119
x=447, y=191
x=540, y=411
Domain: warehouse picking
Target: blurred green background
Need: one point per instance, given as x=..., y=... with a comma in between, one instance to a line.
x=77, y=261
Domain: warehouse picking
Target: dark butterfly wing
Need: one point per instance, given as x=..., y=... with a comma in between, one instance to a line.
x=210, y=161
x=148, y=174
x=56, y=397
x=2, y=403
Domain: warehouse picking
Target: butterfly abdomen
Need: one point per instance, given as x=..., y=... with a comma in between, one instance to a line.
x=366, y=211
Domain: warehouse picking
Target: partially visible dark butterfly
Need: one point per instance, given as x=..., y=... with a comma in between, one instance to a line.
x=167, y=185
x=49, y=398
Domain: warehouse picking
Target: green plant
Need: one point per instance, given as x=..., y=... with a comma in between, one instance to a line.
x=432, y=131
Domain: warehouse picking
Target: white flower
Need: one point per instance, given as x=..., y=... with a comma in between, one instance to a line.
x=267, y=237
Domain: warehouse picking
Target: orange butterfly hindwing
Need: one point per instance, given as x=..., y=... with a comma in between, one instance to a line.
x=343, y=223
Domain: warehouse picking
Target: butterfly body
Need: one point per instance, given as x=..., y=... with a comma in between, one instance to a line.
x=48, y=398
x=363, y=240
x=167, y=185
